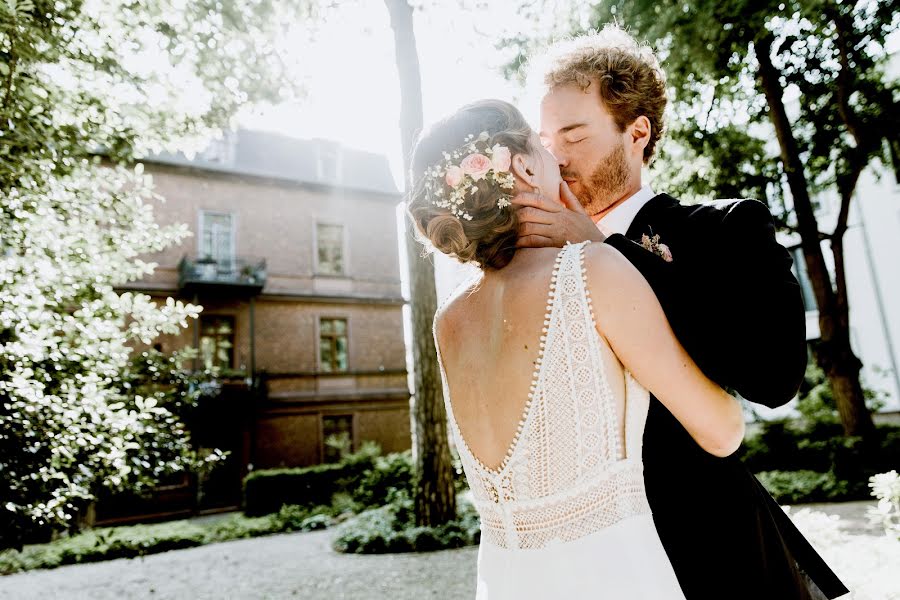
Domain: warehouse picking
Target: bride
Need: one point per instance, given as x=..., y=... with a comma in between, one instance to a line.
x=547, y=360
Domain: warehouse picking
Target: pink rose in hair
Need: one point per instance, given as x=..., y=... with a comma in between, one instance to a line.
x=500, y=158
x=454, y=176
x=476, y=166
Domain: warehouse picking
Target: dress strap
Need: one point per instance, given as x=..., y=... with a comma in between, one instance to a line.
x=615, y=446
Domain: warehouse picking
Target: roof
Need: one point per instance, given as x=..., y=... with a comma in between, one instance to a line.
x=316, y=161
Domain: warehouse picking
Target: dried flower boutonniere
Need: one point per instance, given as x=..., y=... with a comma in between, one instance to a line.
x=652, y=244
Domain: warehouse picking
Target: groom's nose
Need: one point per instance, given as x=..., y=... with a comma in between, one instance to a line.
x=561, y=158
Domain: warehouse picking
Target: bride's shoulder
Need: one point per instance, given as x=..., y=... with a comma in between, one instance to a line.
x=604, y=264
x=454, y=305
x=599, y=256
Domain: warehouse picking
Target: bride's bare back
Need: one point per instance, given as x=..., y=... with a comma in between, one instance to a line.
x=489, y=336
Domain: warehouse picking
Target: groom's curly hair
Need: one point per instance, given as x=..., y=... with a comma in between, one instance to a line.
x=629, y=79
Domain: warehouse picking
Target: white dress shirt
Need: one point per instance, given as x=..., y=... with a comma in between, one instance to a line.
x=619, y=219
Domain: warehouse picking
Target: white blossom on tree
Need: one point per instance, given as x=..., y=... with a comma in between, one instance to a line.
x=67, y=422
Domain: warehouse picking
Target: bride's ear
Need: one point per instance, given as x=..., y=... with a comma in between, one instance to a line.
x=522, y=167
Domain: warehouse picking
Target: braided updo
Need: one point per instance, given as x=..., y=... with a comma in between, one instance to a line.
x=489, y=238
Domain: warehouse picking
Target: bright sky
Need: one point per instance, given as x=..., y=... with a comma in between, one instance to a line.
x=353, y=88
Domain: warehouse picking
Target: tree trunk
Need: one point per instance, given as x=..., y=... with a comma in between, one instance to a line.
x=834, y=353
x=435, y=498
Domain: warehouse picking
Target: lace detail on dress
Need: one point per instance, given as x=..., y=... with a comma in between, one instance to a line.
x=564, y=475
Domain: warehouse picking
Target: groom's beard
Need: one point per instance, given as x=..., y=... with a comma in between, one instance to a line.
x=606, y=183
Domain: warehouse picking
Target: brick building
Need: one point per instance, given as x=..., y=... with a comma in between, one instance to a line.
x=294, y=258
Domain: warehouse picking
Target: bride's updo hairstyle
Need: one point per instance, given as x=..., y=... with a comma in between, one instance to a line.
x=487, y=234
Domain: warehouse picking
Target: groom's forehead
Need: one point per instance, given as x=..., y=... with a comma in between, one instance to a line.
x=559, y=130
x=567, y=107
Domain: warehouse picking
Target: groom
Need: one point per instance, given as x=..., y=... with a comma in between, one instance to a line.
x=727, y=288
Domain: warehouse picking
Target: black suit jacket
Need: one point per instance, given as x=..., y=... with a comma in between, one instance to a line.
x=735, y=305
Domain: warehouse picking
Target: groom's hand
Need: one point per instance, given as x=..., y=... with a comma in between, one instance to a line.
x=544, y=223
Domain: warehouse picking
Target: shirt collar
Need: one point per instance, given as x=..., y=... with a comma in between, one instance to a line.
x=619, y=219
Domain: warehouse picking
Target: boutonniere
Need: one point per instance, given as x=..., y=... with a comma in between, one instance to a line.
x=652, y=244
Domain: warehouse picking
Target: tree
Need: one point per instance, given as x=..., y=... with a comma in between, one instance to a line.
x=77, y=80
x=435, y=497
x=811, y=72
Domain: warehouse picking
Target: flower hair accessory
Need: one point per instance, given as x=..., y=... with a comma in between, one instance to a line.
x=652, y=244
x=450, y=182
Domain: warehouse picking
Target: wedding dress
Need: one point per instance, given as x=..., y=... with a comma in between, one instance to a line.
x=565, y=515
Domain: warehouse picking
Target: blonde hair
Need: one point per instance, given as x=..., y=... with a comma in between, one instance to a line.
x=489, y=238
x=629, y=79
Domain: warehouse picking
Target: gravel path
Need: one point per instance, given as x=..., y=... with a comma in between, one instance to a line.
x=297, y=565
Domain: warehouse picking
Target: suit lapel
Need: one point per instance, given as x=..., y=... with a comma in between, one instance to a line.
x=650, y=213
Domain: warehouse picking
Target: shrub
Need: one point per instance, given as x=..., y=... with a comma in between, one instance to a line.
x=266, y=491
x=792, y=487
x=390, y=528
x=361, y=480
x=140, y=540
x=105, y=544
x=842, y=464
x=390, y=475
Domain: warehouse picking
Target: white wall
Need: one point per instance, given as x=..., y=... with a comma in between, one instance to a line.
x=876, y=327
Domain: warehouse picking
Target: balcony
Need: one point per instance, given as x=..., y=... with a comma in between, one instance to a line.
x=313, y=388
x=239, y=275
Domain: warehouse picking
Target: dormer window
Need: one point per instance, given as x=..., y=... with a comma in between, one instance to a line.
x=328, y=164
x=220, y=151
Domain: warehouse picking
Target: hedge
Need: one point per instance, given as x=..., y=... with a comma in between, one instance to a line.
x=359, y=481
x=818, y=463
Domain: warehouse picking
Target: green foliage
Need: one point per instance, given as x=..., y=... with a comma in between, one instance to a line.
x=788, y=446
x=131, y=77
x=389, y=476
x=830, y=54
x=360, y=480
x=119, y=79
x=791, y=487
x=391, y=528
x=816, y=403
x=74, y=414
x=140, y=540
x=816, y=462
x=810, y=459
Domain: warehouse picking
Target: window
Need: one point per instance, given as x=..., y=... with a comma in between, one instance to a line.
x=337, y=437
x=328, y=163
x=221, y=150
x=333, y=345
x=330, y=242
x=217, y=238
x=216, y=342
x=806, y=289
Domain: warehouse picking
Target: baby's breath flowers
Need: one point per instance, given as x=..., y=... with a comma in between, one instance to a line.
x=450, y=182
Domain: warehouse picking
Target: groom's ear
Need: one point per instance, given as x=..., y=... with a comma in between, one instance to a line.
x=522, y=167
x=639, y=133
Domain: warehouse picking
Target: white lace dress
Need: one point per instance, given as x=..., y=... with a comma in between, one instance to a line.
x=565, y=515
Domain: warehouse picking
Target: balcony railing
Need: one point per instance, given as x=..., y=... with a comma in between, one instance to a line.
x=239, y=273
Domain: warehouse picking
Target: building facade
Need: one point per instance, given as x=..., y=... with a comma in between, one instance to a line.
x=873, y=280
x=294, y=258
